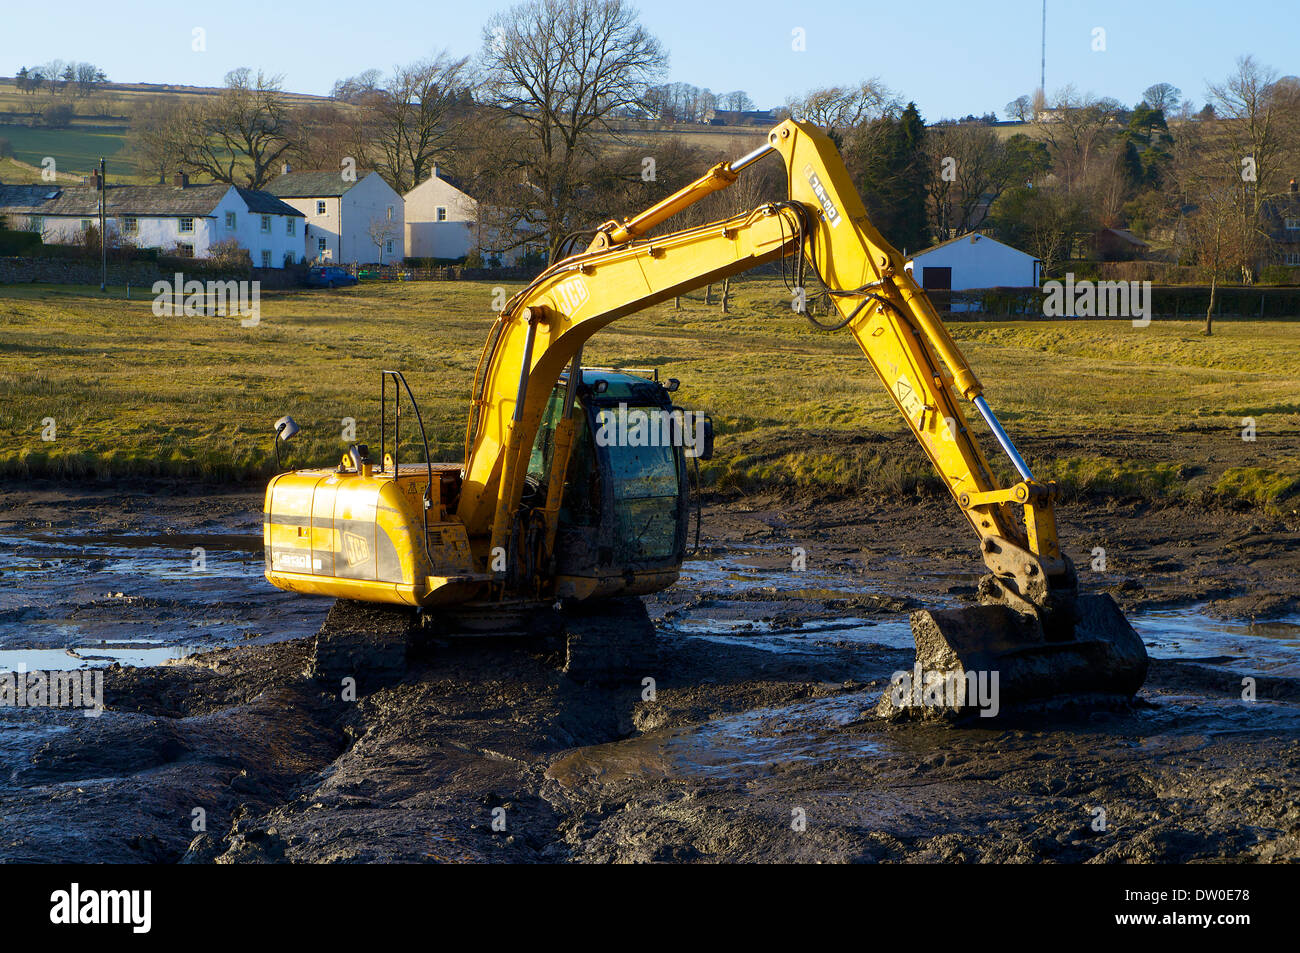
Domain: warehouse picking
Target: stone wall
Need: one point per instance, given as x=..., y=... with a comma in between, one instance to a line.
x=56, y=271
x=65, y=271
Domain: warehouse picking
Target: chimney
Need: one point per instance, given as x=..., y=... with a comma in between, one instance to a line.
x=435, y=170
x=285, y=169
x=95, y=183
x=180, y=179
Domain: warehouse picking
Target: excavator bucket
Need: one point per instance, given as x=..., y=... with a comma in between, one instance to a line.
x=990, y=660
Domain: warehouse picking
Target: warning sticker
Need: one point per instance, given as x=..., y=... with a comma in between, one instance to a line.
x=910, y=401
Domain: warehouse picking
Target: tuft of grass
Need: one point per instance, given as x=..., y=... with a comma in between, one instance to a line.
x=1098, y=476
x=842, y=471
x=1275, y=490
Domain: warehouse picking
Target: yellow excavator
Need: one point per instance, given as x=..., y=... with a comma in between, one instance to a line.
x=549, y=512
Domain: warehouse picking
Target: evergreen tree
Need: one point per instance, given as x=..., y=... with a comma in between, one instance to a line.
x=891, y=171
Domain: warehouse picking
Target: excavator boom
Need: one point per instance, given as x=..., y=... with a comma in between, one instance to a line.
x=823, y=225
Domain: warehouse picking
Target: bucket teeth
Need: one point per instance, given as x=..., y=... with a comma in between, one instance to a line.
x=984, y=660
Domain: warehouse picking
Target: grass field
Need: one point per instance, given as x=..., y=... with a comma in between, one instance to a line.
x=132, y=394
x=75, y=149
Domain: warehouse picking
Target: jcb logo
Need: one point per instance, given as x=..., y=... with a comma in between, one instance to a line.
x=819, y=190
x=572, y=294
x=355, y=549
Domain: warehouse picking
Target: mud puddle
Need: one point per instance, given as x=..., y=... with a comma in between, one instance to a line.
x=82, y=599
x=1191, y=635
x=747, y=745
x=743, y=600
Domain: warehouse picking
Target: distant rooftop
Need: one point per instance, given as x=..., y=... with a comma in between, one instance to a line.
x=141, y=200
x=310, y=185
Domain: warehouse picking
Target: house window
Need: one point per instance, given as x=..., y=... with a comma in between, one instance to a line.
x=186, y=251
x=390, y=213
x=266, y=258
x=1293, y=258
x=85, y=224
x=230, y=220
x=290, y=228
x=320, y=208
x=266, y=223
x=36, y=223
x=320, y=244
x=388, y=246
x=1293, y=224
x=441, y=214
x=130, y=224
x=187, y=225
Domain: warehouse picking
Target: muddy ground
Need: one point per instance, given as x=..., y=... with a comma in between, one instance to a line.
x=758, y=746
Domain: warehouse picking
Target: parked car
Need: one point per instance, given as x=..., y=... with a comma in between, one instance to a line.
x=329, y=276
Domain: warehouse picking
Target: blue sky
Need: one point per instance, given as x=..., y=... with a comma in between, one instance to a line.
x=951, y=56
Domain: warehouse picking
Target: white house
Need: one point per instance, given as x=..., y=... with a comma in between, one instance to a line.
x=181, y=218
x=357, y=219
x=444, y=221
x=974, y=261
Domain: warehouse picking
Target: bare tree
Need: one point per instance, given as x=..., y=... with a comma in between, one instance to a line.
x=240, y=135
x=839, y=108
x=155, y=138
x=353, y=89
x=1162, y=96
x=1021, y=108
x=971, y=168
x=1220, y=230
x=1247, y=121
x=380, y=231
x=415, y=116
x=327, y=133
x=1081, y=126
x=737, y=101
x=560, y=69
x=1039, y=103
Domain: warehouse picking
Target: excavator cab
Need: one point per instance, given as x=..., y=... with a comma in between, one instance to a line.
x=624, y=511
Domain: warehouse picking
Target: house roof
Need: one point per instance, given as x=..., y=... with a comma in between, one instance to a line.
x=24, y=198
x=1126, y=236
x=264, y=203
x=441, y=176
x=972, y=238
x=310, y=185
x=142, y=200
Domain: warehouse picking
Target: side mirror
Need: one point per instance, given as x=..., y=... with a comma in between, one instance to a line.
x=600, y=386
x=702, y=447
x=285, y=428
x=672, y=385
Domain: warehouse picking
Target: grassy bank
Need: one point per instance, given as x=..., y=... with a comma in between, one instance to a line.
x=1101, y=406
